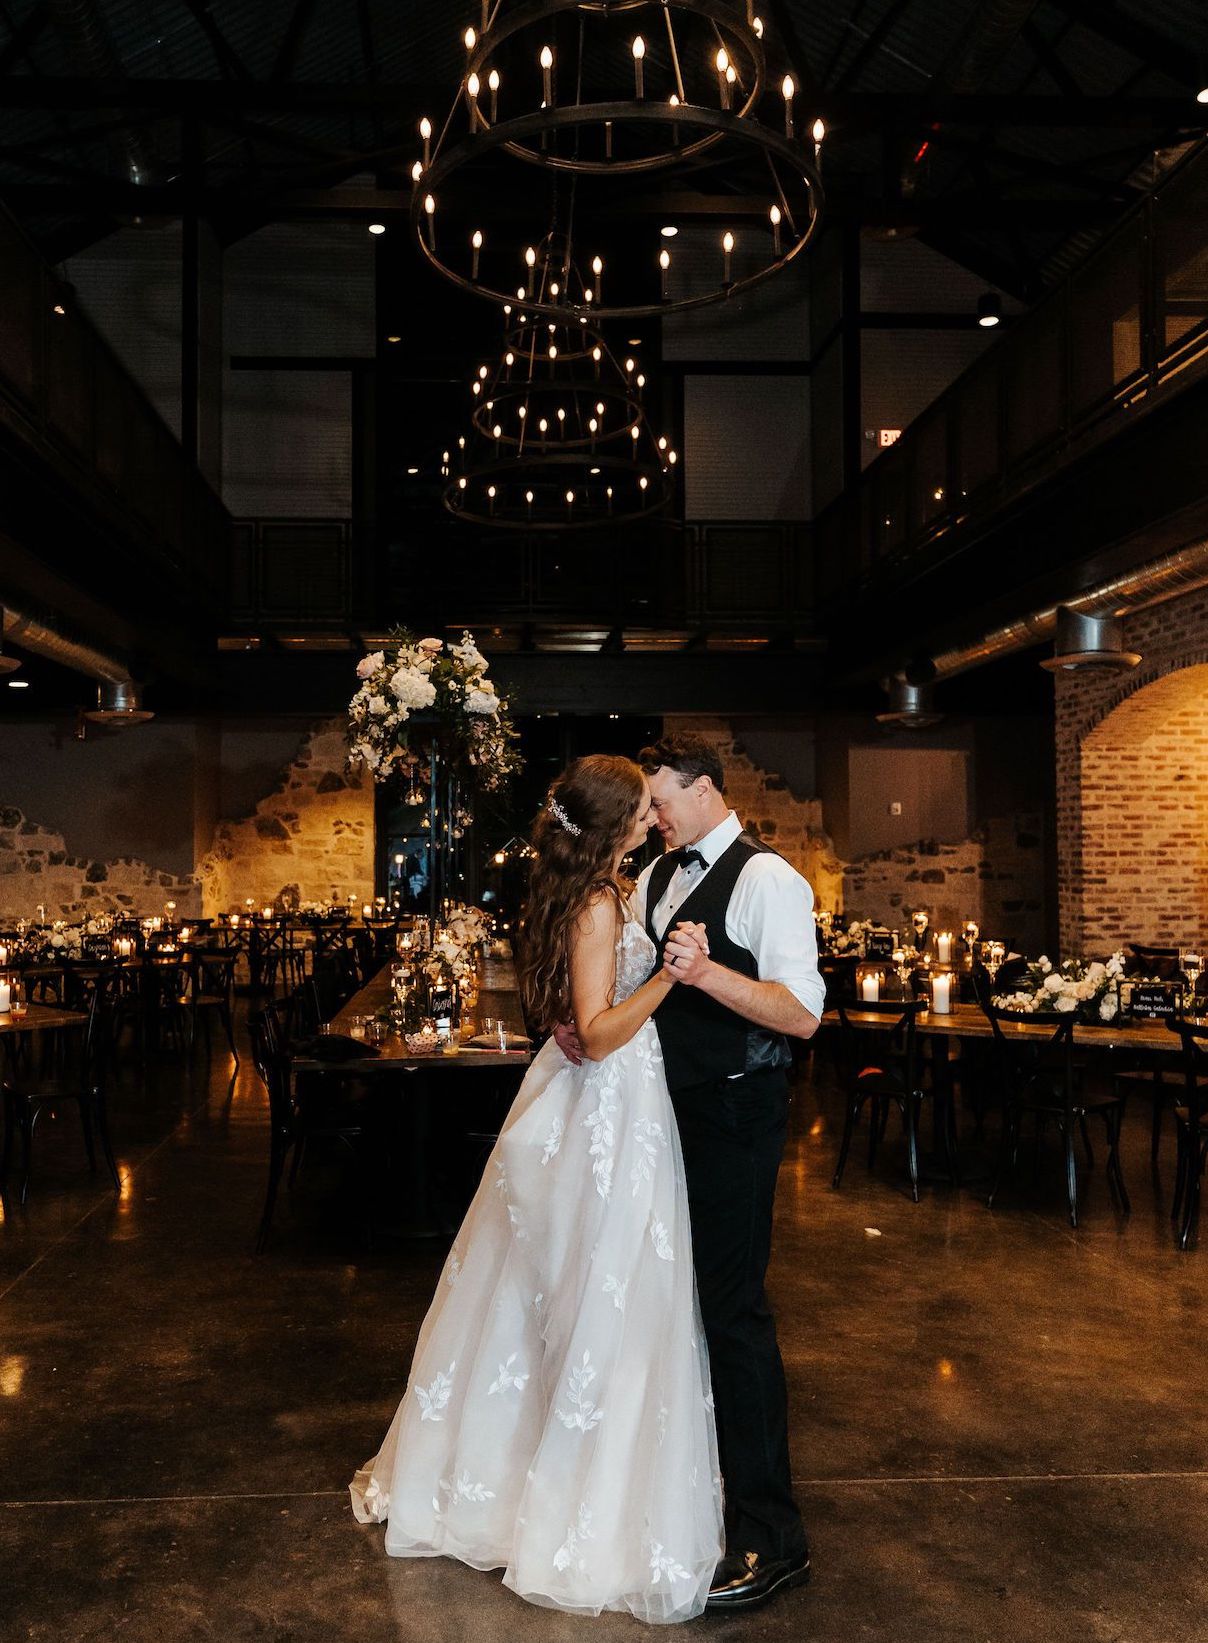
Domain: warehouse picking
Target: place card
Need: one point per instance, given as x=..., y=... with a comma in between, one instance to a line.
x=879, y=945
x=1154, y=1000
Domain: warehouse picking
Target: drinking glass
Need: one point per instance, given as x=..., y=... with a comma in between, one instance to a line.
x=18, y=1004
x=496, y=1029
x=1192, y=965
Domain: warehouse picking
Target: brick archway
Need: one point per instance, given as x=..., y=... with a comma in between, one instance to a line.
x=1143, y=812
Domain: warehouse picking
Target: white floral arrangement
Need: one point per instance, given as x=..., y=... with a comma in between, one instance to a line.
x=447, y=683
x=453, y=955
x=1088, y=988
x=854, y=939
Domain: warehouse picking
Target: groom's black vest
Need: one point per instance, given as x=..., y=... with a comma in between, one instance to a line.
x=701, y=1039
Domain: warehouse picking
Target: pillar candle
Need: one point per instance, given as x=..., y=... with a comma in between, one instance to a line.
x=870, y=988
x=941, y=993
x=943, y=947
x=6, y=997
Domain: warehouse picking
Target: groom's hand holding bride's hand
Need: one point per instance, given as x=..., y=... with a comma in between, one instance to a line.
x=686, y=956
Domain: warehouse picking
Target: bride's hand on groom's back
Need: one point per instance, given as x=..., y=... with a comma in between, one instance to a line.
x=567, y=1040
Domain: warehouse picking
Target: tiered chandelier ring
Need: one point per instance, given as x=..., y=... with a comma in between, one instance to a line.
x=699, y=82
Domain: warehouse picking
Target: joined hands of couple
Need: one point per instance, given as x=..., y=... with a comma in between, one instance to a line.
x=685, y=959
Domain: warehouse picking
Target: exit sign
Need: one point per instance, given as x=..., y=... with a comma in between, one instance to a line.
x=888, y=436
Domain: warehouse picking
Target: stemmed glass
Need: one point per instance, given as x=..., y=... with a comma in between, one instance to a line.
x=1192, y=965
x=995, y=953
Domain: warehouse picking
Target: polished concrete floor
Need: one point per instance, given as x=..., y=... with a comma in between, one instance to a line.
x=1000, y=1433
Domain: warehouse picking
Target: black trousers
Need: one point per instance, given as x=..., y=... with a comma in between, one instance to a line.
x=732, y=1132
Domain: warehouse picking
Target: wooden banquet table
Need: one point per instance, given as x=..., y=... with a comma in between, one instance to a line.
x=432, y=1134
x=498, y=997
x=970, y=1021
x=40, y=1018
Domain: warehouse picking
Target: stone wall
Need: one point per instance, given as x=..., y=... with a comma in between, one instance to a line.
x=995, y=877
x=769, y=811
x=311, y=832
x=41, y=879
x=1132, y=788
x=312, y=836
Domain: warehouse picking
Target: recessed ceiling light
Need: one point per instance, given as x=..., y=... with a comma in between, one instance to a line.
x=635, y=342
x=377, y=227
x=412, y=470
x=394, y=339
x=668, y=231
x=18, y=684
x=989, y=309
x=59, y=308
x=1201, y=95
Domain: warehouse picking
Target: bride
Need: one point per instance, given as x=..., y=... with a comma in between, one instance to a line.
x=558, y=1419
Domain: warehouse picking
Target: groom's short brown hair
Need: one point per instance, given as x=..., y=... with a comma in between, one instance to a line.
x=688, y=755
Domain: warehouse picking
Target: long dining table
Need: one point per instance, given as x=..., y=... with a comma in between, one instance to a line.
x=971, y=1021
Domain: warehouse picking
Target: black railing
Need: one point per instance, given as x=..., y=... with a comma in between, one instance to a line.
x=721, y=576
x=1124, y=329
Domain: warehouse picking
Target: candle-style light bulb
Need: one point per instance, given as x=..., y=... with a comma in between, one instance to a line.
x=727, y=246
x=639, y=67
x=476, y=247
x=757, y=27
x=493, y=88
x=425, y=131
x=664, y=265
x=722, y=61
x=547, y=76
x=471, y=39
x=774, y=214
x=597, y=268
x=788, y=91
x=430, y=211
x=473, y=87
x=818, y=133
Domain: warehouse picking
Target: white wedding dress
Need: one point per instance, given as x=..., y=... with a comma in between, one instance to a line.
x=558, y=1421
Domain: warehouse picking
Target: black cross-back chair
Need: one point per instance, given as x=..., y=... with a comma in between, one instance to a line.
x=1191, y=1119
x=79, y=1078
x=1039, y=1076
x=879, y=1066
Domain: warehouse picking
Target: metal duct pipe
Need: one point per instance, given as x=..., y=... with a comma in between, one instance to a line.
x=1180, y=572
x=978, y=50
x=90, y=47
x=45, y=641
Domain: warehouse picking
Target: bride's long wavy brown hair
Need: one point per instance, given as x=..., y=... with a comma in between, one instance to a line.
x=599, y=796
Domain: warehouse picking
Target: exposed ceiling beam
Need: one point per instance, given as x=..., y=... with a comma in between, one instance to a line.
x=24, y=35
x=1103, y=17
x=857, y=111
x=298, y=205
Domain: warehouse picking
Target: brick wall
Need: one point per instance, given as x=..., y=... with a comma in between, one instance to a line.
x=1132, y=788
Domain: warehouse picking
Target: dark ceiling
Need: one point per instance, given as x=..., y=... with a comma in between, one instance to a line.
x=1008, y=132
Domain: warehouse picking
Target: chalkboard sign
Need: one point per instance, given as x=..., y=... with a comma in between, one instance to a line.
x=1154, y=1000
x=878, y=945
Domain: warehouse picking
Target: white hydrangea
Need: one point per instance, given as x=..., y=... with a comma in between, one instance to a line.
x=411, y=689
x=482, y=700
x=1054, y=982
x=378, y=706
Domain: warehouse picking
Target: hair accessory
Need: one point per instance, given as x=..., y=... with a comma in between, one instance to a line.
x=563, y=820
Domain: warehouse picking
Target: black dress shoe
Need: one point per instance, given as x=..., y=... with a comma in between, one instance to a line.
x=744, y=1580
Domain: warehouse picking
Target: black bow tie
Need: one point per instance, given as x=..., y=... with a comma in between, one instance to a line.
x=686, y=856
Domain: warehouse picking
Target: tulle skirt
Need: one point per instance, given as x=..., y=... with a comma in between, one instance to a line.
x=558, y=1420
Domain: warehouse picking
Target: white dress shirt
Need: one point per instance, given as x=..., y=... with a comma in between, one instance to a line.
x=771, y=913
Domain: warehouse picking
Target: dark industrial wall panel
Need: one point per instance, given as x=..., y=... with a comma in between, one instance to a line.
x=746, y=447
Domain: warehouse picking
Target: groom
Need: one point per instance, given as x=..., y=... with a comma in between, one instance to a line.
x=734, y=926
